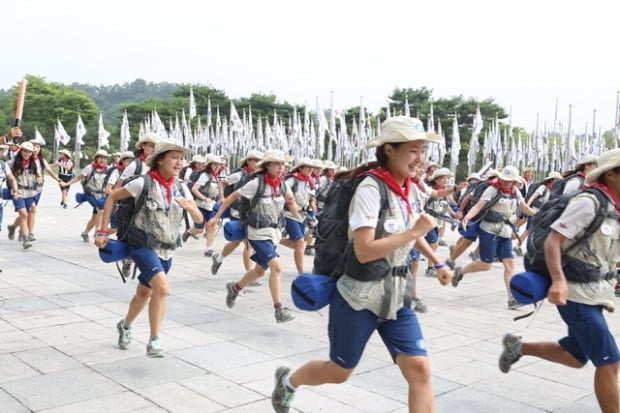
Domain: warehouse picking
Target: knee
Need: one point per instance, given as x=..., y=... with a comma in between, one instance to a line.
x=417, y=370
x=161, y=291
x=275, y=266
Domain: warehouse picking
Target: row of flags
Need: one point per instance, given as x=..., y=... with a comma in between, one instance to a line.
x=325, y=135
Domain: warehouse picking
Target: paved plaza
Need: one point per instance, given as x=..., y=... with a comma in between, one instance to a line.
x=59, y=305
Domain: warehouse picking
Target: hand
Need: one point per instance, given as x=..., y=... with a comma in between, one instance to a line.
x=461, y=186
x=425, y=223
x=464, y=222
x=183, y=203
x=558, y=292
x=101, y=241
x=444, y=275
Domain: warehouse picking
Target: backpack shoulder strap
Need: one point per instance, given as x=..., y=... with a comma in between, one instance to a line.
x=601, y=212
x=259, y=191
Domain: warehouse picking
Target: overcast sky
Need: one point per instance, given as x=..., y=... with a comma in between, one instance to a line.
x=524, y=54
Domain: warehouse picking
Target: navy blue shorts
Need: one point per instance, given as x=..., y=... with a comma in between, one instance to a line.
x=295, y=230
x=349, y=331
x=471, y=233
x=207, y=215
x=264, y=251
x=588, y=337
x=491, y=245
x=149, y=263
x=96, y=203
x=37, y=198
x=432, y=236
x=21, y=203
x=414, y=255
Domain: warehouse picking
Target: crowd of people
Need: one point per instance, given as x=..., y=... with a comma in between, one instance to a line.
x=273, y=199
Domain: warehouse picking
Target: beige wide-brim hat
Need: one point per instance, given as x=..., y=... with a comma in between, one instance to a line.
x=252, y=154
x=403, y=129
x=198, y=159
x=553, y=175
x=441, y=172
x=28, y=146
x=586, y=160
x=147, y=138
x=274, y=155
x=213, y=159
x=509, y=173
x=166, y=146
x=102, y=152
x=330, y=165
x=474, y=175
x=304, y=162
x=4, y=147
x=65, y=152
x=125, y=155
x=607, y=161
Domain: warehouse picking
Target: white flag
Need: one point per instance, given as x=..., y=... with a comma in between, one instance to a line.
x=473, y=143
x=61, y=134
x=235, y=120
x=192, y=104
x=456, y=144
x=38, y=136
x=80, y=130
x=125, y=135
x=103, y=134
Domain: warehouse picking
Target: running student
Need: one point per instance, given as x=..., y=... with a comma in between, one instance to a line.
x=581, y=300
x=267, y=194
x=371, y=295
x=154, y=235
x=65, y=173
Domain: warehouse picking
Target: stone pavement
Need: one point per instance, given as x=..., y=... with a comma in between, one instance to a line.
x=59, y=305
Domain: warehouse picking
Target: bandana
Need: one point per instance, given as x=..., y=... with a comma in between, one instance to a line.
x=247, y=169
x=388, y=178
x=100, y=168
x=495, y=182
x=608, y=192
x=165, y=183
x=274, y=183
x=304, y=178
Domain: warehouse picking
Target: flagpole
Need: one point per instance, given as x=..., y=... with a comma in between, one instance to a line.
x=77, y=150
x=617, y=120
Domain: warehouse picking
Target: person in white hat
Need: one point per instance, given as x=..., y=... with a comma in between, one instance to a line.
x=266, y=195
x=4, y=170
x=114, y=172
x=43, y=166
x=207, y=193
x=581, y=303
x=497, y=227
x=326, y=179
x=153, y=236
x=92, y=178
x=65, y=173
x=301, y=185
x=237, y=179
x=24, y=174
x=194, y=167
x=356, y=305
x=144, y=148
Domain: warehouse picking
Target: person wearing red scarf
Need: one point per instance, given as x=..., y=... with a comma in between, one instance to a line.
x=357, y=302
x=153, y=263
x=93, y=179
x=581, y=304
x=249, y=165
x=144, y=148
x=263, y=229
x=303, y=186
x=495, y=230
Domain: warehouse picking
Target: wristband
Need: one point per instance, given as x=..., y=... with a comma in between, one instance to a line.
x=101, y=234
x=199, y=225
x=102, y=230
x=439, y=266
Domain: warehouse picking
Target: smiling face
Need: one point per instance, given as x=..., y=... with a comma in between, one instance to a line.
x=405, y=159
x=275, y=169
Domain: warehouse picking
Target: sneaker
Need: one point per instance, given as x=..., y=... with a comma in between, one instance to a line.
x=124, y=335
x=283, y=315
x=282, y=396
x=26, y=244
x=21, y=238
x=309, y=250
x=31, y=237
x=231, y=294
x=154, y=348
x=511, y=353
x=431, y=272
x=208, y=252
x=216, y=264
x=518, y=251
x=84, y=236
x=185, y=236
x=514, y=304
x=458, y=276
x=64, y=205
x=419, y=306
x=442, y=243
x=450, y=263
x=11, y=233
x=474, y=256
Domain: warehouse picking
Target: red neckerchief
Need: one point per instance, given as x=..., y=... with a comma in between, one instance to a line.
x=417, y=183
x=329, y=176
x=274, y=183
x=605, y=189
x=247, y=169
x=165, y=183
x=100, y=168
x=142, y=157
x=388, y=178
x=438, y=188
x=304, y=178
x=315, y=176
x=215, y=175
x=510, y=191
x=25, y=163
x=121, y=167
x=549, y=184
x=581, y=174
